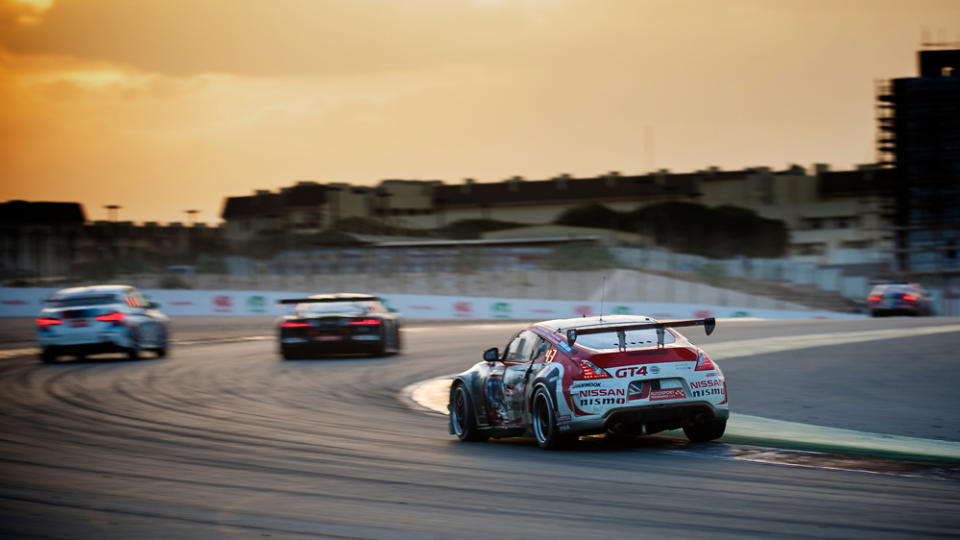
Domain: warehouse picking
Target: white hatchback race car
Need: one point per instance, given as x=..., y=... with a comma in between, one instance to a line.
x=99, y=319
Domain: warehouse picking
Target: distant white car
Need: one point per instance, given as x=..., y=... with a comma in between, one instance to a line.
x=99, y=319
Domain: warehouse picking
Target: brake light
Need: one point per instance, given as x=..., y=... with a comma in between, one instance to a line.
x=370, y=322
x=294, y=324
x=590, y=371
x=704, y=363
x=874, y=298
x=116, y=316
x=48, y=321
x=909, y=298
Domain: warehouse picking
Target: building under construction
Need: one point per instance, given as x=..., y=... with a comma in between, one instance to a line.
x=919, y=135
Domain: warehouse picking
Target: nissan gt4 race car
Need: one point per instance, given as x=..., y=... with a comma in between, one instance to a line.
x=620, y=374
x=98, y=319
x=325, y=324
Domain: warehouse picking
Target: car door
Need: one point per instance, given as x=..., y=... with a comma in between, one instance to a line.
x=517, y=377
x=148, y=328
x=517, y=364
x=499, y=405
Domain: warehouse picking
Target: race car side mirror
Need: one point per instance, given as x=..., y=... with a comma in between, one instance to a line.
x=491, y=355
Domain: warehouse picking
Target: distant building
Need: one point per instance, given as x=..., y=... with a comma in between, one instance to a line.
x=537, y=202
x=39, y=238
x=53, y=240
x=825, y=211
x=919, y=135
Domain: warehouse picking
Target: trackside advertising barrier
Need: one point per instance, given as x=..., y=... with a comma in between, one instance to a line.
x=27, y=302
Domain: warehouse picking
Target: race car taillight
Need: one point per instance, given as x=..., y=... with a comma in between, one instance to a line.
x=909, y=298
x=48, y=321
x=294, y=324
x=589, y=371
x=369, y=322
x=704, y=363
x=874, y=298
x=114, y=317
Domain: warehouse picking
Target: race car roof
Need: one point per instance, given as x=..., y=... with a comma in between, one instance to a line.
x=92, y=290
x=338, y=297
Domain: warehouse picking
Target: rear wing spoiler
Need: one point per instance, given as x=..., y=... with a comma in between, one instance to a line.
x=329, y=299
x=708, y=324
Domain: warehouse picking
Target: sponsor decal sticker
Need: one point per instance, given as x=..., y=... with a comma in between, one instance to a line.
x=621, y=310
x=462, y=309
x=666, y=394
x=583, y=311
x=654, y=369
x=223, y=304
x=501, y=310
x=257, y=304
x=702, y=313
x=565, y=347
x=631, y=371
x=638, y=390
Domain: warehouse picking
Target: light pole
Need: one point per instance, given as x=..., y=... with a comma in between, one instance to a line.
x=112, y=211
x=190, y=214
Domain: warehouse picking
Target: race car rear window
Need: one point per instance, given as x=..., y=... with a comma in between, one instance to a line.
x=338, y=307
x=635, y=339
x=90, y=300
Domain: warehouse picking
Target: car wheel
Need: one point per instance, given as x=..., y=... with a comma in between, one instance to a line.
x=133, y=353
x=705, y=431
x=48, y=356
x=463, y=417
x=287, y=354
x=161, y=350
x=545, y=423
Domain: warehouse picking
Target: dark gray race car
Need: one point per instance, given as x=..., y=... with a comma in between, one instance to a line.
x=344, y=323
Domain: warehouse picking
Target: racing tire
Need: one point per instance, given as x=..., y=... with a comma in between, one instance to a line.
x=48, y=356
x=544, y=420
x=705, y=431
x=133, y=353
x=288, y=355
x=161, y=350
x=463, y=417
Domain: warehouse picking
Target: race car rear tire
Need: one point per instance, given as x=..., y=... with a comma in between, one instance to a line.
x=48, y=356
x=705, y=431
x=545, y=423
x=463, y=416
x=161, y=350
x=133, y=353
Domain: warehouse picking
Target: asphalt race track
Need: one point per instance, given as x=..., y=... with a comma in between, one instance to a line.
x=225, y=440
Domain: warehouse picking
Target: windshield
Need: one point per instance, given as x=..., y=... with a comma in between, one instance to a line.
x=320, y=308
x=91, y=300
x=635, y=339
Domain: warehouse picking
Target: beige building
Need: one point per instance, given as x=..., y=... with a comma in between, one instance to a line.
x=824, y=210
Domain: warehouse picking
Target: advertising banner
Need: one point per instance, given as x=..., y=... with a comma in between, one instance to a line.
x=27, y=302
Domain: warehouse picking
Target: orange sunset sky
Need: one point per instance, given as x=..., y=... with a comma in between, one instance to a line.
x=166, y=105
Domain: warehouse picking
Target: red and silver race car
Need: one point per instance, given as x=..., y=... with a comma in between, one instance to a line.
x=620, y=374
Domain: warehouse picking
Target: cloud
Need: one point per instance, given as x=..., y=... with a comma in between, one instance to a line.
x=22, y=12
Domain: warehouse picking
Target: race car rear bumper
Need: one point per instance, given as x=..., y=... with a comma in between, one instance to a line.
x=651, y=418
x=85, y=348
